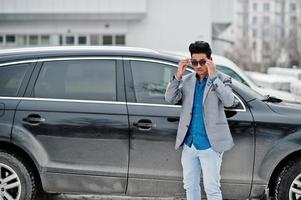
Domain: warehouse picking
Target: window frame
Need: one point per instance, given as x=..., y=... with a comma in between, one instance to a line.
x=120, y=94
x=234, y=72
x=24, y=83
x=130, y=91
x=123, y=78
x=266, y=6
x=9, y=42
x=31, y=38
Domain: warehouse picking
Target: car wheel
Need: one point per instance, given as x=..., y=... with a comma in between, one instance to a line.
x=17, y=181
x=288, y=184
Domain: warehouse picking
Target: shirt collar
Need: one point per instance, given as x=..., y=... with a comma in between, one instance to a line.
x=197, y=77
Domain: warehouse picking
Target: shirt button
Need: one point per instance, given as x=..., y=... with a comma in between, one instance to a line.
x=187, y=126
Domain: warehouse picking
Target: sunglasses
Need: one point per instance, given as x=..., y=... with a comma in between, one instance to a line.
x=195, y=62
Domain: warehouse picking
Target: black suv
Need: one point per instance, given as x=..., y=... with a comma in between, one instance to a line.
x=94, y=120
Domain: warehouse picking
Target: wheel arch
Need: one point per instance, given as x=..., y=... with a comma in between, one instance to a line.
x=28, y=160
x=295, y=155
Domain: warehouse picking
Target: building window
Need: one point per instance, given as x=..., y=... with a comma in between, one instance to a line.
x=293, y=7
x=266, y=7
x=266, y=46
x=244, y=32
x=254, y=45
x=254, y=33
x=254, y=6
x=293, y=20
x=45, y=40
x=265, y=33
x=120, y=39
x=69, y=40
x=245, y=19
x=1, y=39
x=22, y=40
x=292, y=33
x=266, y=19
x=10, y=39
x=107, y=39
x=33, y=40
x=82, y=40
x=94, y=40
x=254, y=19
x=61, y=40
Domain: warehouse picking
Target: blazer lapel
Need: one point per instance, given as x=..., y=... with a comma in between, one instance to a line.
x=191, y=83
x=207, y=87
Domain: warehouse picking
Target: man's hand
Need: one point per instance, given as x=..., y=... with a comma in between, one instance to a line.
x=211, y=68
x=181, y=68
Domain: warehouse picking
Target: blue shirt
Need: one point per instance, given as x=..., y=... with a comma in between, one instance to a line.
x=196, y=133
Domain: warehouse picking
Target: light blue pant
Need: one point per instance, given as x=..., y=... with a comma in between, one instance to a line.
x=209, y=161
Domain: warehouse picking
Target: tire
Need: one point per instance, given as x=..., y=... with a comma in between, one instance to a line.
x=23, y=184
x=288, y=180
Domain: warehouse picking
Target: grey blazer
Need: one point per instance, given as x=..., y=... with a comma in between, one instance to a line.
x=217, y=94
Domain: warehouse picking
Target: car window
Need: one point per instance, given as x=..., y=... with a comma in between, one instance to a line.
x=150, y=81
x=77, y=79
x=237, y=105
x=246, y=90
x=11, y=78
x=231, y=73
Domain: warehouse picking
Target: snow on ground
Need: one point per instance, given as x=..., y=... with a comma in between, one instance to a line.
x=283, y=79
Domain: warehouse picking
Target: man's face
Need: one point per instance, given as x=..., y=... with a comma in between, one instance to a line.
x=201, y=70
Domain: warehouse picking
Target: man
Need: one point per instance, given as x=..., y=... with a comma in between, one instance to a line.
x=203, y=128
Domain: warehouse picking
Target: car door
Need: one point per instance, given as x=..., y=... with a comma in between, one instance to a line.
x=14, y=77
x=153, y=125
x=74, y=121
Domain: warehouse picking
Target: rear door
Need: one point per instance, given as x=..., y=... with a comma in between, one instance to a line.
x=74, y=121
x=13, y=81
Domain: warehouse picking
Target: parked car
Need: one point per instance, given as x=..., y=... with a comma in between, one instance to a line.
x=230, y=68
x=94, y=120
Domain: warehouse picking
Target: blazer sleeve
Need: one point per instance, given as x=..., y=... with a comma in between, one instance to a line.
x=174, y=91
x=223, y=88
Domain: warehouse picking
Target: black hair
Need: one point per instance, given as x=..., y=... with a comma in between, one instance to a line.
x=200, y=47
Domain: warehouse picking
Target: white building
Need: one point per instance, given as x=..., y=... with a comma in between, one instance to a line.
x=299, y=28
x=157, y=24
x=265, y=29
x=222, y=18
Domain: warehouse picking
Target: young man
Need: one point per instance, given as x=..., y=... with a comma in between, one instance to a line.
x=203, y=128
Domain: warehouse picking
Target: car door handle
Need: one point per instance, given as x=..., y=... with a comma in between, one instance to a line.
x=173, y=119
x=144, y=124
x=34, y=119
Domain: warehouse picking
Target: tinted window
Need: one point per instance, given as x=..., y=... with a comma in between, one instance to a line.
x=81, y=79
x=150, y=81
x=231, y=73
x=236, y=105
x=245, y=90
x=11, y=78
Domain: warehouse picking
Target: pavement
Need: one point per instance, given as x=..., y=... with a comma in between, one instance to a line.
x=107, y=197
x=101, y=197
